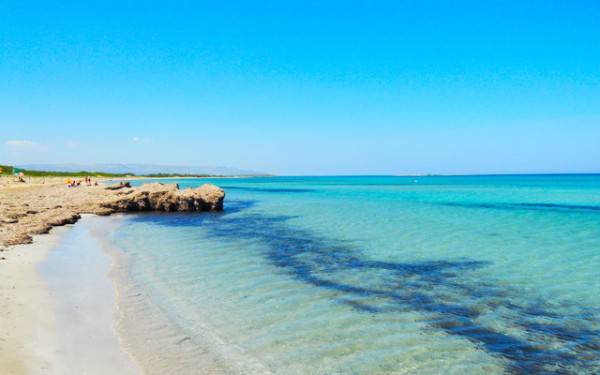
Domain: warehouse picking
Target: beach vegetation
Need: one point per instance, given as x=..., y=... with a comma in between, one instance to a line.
x=9, y=170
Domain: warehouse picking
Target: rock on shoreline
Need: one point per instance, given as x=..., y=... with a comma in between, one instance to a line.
x=161, y=197
x=35, y=209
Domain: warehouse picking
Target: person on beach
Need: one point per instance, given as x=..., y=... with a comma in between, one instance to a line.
x=73, y=183
x=20, y=177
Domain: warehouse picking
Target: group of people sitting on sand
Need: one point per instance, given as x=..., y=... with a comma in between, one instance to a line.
x=75, y=182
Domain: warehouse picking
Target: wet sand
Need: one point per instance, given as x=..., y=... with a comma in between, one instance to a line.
x=59, y=309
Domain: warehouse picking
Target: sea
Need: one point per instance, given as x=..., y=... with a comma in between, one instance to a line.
x=365, y=275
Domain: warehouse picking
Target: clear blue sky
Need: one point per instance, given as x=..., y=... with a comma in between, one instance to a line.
x=306, y=87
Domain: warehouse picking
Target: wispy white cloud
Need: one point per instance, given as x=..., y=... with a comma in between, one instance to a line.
x=141, y=140
x=24, y=145
x=72, y=145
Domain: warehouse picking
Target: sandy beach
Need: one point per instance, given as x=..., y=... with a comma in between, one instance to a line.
x=26, y=331
x=58, y=311
x=59, y=307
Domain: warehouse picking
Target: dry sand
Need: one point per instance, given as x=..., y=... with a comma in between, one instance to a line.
x=35, y=207
x=26, y=319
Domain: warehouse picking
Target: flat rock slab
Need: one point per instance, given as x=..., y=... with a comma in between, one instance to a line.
x=34, y=209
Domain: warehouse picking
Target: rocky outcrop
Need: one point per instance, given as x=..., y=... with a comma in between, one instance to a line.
x=34, y=210
x=167, y=197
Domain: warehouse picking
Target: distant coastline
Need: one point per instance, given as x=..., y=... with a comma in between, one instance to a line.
x=145, y=169
x=8, y=170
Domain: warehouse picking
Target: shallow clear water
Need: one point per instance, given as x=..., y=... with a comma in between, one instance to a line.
x=367, y=275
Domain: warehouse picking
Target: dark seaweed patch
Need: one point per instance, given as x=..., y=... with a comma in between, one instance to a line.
x=548, y=341
x=525, y=206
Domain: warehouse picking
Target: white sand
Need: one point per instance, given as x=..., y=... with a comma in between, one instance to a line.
x=58, y=308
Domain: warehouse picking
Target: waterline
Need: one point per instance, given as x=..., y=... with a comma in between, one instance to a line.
x=368, y=275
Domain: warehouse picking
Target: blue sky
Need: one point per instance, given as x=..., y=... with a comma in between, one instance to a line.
x=307, y=87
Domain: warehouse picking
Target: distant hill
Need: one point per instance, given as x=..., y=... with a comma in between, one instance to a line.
x=143, y=169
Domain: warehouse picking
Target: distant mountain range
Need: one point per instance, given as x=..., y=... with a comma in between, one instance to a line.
x=142, y=169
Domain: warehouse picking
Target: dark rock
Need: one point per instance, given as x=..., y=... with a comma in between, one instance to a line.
x=120, y=185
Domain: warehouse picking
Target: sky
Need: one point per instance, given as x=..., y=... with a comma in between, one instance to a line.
x=304, y=87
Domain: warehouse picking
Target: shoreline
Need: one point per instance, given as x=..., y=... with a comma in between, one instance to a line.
x=30, y=209
x=71, y=327
x=50, y=318
x=24, y=284
x=157, y=342
x=72, y=308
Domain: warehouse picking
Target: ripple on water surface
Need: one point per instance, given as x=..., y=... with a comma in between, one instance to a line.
x=376, y=275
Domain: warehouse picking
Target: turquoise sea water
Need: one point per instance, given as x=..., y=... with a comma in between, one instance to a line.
x=370, y=275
